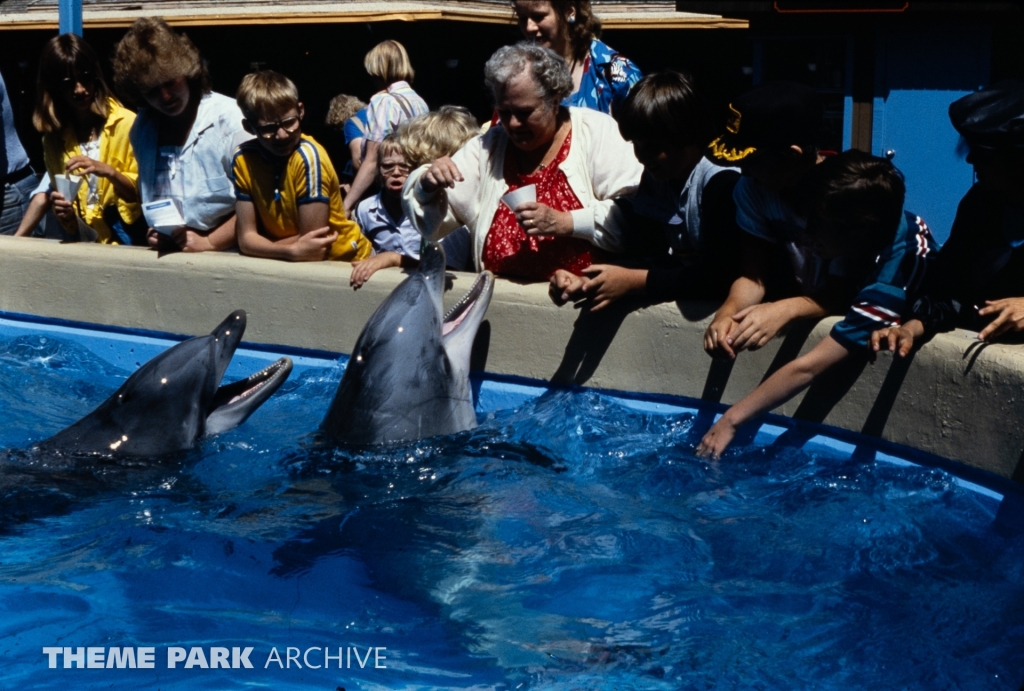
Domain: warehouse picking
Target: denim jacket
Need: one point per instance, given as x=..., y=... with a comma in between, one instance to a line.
x=206, y=159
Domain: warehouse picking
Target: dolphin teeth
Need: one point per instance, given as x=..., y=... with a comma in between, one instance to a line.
x=247, y=392
x=251, y=384
x=458, y=312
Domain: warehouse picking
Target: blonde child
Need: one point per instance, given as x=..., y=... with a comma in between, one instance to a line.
x=418, y=142
x=345, y=116
x=289, y=203
x=427, y=138
x=395, y=242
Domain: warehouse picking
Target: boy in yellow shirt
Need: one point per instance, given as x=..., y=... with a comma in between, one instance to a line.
x=289, y=203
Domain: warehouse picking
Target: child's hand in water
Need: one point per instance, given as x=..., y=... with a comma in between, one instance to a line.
x=717, y=440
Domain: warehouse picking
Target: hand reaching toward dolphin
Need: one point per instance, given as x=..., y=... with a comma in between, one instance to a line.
x=442, y=173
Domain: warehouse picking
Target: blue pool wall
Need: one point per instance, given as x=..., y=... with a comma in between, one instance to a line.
x=127, y=349
x=956, y=398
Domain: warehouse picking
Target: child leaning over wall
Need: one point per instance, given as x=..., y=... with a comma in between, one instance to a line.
x=855, y=214
x=977, y=282
x=395, y=242
x=417, y=142
x=772, y=136
x=288, y=197
x=681, y=244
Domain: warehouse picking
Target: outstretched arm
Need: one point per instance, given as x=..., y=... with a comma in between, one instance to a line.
x=364, y=177
x=790, y=380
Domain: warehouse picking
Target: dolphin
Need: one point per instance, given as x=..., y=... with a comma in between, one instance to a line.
x=173, y=400
x=408, y=376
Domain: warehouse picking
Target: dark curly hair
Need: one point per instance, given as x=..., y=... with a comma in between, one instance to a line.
x=579, y=32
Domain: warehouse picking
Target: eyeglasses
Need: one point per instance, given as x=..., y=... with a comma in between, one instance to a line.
x=386, y=168
x=84, y=78
x=269, y=131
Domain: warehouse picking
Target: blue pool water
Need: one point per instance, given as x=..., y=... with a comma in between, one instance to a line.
x=572, y=541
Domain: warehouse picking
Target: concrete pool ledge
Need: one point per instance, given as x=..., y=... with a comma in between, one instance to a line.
x=956, y=397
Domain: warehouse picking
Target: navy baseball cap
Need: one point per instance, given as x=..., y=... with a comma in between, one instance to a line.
x=992, y=118
x=772, y=115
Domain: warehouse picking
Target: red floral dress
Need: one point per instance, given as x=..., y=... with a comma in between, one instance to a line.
x=510, y=252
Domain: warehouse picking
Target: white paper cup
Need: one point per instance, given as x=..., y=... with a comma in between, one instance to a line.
x=68, y=185
x=520, y=196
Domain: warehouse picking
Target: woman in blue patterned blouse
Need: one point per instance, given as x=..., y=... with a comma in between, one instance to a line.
x=601, y=77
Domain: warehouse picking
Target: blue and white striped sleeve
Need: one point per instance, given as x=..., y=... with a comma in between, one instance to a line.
x=240, y=177
x=883, y=302
x=311, y=185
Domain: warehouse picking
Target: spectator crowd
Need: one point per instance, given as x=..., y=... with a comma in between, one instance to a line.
x=589, y=176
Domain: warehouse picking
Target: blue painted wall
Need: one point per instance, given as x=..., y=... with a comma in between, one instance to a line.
x=919, y=72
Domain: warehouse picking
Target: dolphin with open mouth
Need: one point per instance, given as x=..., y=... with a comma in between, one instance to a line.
x=408, y=377
x=174, y=399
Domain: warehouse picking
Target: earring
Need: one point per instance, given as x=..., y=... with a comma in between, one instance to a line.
x=572, y=19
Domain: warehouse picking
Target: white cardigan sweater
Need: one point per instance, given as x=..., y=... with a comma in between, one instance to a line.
x=599, y=167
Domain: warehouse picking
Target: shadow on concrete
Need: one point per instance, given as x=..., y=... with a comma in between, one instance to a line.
x=1018, y=472
x=878, y=416
x=828, y=389
x=717, y=379
x=592, y=333
x=481, y=348
x=972, y=353
x=714, y=387
x=696, y=311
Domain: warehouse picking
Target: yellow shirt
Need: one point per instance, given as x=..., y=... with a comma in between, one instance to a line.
x=115, y=151
x=278, y=187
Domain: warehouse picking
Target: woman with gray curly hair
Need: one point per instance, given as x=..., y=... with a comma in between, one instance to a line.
x=574, y=158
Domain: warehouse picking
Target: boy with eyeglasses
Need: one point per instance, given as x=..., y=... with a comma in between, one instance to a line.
x=289, y=203
x=382, y=219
